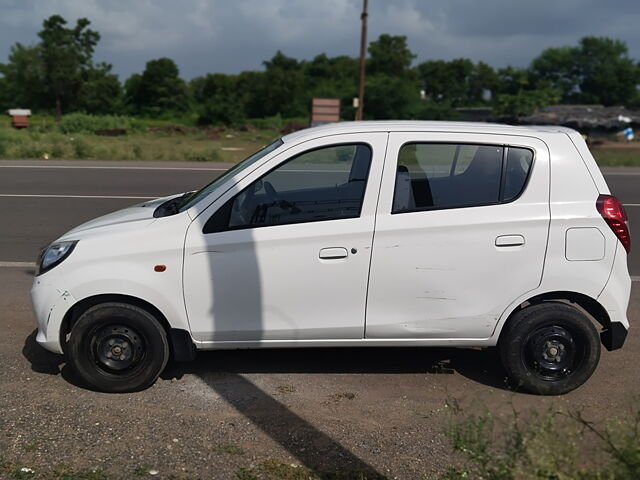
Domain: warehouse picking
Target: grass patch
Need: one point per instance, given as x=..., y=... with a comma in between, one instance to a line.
x=276, y=470
x=284, y=389
x=15, y=471
x=338, y=397
x=31, y=446
x=203, y=155
x=228, y=449
x=141, y=471
x=617, y=158
x=64, y=472
x=188, y=144
x=554, y=444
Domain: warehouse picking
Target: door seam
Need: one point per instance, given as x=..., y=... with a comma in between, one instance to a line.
x=373, y=236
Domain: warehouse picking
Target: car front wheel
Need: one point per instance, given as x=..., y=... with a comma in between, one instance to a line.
x=549, y=348
x=117, y=347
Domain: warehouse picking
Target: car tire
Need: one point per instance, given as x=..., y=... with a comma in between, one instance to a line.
x=117, y=347
x=549, y=348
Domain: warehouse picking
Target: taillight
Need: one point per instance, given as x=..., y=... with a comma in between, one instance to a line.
x=613, y=213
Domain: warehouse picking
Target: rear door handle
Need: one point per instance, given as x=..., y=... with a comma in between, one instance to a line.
x=333, y=253
x=509, y=241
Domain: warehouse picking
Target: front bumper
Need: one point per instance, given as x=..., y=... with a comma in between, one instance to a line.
x=50, y=305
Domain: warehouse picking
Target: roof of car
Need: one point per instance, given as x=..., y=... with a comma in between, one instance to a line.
x=421, y=126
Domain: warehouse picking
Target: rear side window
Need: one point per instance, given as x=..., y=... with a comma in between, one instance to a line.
x=519, y=162
x=439, y=175
x=323, y=184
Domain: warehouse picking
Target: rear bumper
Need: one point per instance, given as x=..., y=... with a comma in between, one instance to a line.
x=615, y=299
x=613, y=337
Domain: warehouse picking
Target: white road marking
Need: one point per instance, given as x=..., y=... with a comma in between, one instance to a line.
x=632, y=204
x=87, y=167
x=635, y=279
x=17, y=265
x=607, y=174
x=110, y=197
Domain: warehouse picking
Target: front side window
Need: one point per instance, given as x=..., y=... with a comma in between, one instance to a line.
x=195, y=197
x=323, y=184
x=442, y=175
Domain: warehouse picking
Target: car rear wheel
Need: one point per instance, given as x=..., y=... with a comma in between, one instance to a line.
x=116, y=347
x=549, y=348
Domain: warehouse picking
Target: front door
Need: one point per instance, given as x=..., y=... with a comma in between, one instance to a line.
x=286, y=255
x=461, y=233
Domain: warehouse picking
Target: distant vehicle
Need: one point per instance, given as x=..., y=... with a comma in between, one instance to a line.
x=355, y=234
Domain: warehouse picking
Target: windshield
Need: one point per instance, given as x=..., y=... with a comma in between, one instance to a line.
x=194, y=198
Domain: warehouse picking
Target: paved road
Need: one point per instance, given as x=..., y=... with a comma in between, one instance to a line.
x=39, y=202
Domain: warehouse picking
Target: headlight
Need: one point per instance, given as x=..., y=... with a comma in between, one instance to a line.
x=53, y=255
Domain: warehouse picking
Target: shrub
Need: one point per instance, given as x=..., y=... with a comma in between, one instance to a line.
x=82, y=149
x=550, y=445
x=83, y=123
x=221, y=110
x=269, y=123
x=208, y=155
x=57, y=151
x=137, y=151
x=28, y=150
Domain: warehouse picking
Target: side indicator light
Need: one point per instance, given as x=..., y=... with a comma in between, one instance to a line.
x=159, y=268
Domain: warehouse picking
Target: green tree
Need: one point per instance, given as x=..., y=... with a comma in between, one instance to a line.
x=282, y=91
x=252, y=84
x=607, y=74
x=23, y=78
x=158, y=90
x=66, y=54
x=518, y=95
x=483, y=79
x=334, y=77
x=390, y=55
x=446, y=82
x=556, y=68
x=218, y=99
x=524, y=102
x=100, y=91
x=598, y=70
x=458, y=82
x=392, y=89
x=131, y=90
x=389, y=97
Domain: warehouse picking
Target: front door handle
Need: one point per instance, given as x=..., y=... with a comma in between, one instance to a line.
x=333, y=253
x=509, y=241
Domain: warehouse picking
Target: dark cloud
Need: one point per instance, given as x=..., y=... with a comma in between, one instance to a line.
x=230, y=36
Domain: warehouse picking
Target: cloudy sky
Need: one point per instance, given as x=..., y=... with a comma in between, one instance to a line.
x=234, y=35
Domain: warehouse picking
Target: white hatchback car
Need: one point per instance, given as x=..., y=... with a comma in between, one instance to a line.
x=355, y=234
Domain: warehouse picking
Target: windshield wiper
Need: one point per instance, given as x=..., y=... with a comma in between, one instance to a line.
x=171, y=206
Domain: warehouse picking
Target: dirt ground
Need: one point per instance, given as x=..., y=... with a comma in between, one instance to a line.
x=378, y=411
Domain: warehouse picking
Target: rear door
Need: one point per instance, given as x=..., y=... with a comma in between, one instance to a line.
x=461, y=232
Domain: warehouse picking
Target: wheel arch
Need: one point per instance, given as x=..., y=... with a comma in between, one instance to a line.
x=586, y=304
x=76, y=311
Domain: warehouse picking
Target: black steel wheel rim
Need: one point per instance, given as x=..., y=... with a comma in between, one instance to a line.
x=552, y=352
x=117, y=348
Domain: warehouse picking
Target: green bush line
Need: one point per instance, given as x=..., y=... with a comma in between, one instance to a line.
x=74, y=138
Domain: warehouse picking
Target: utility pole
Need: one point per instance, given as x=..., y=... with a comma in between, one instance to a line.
x=363, y=54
